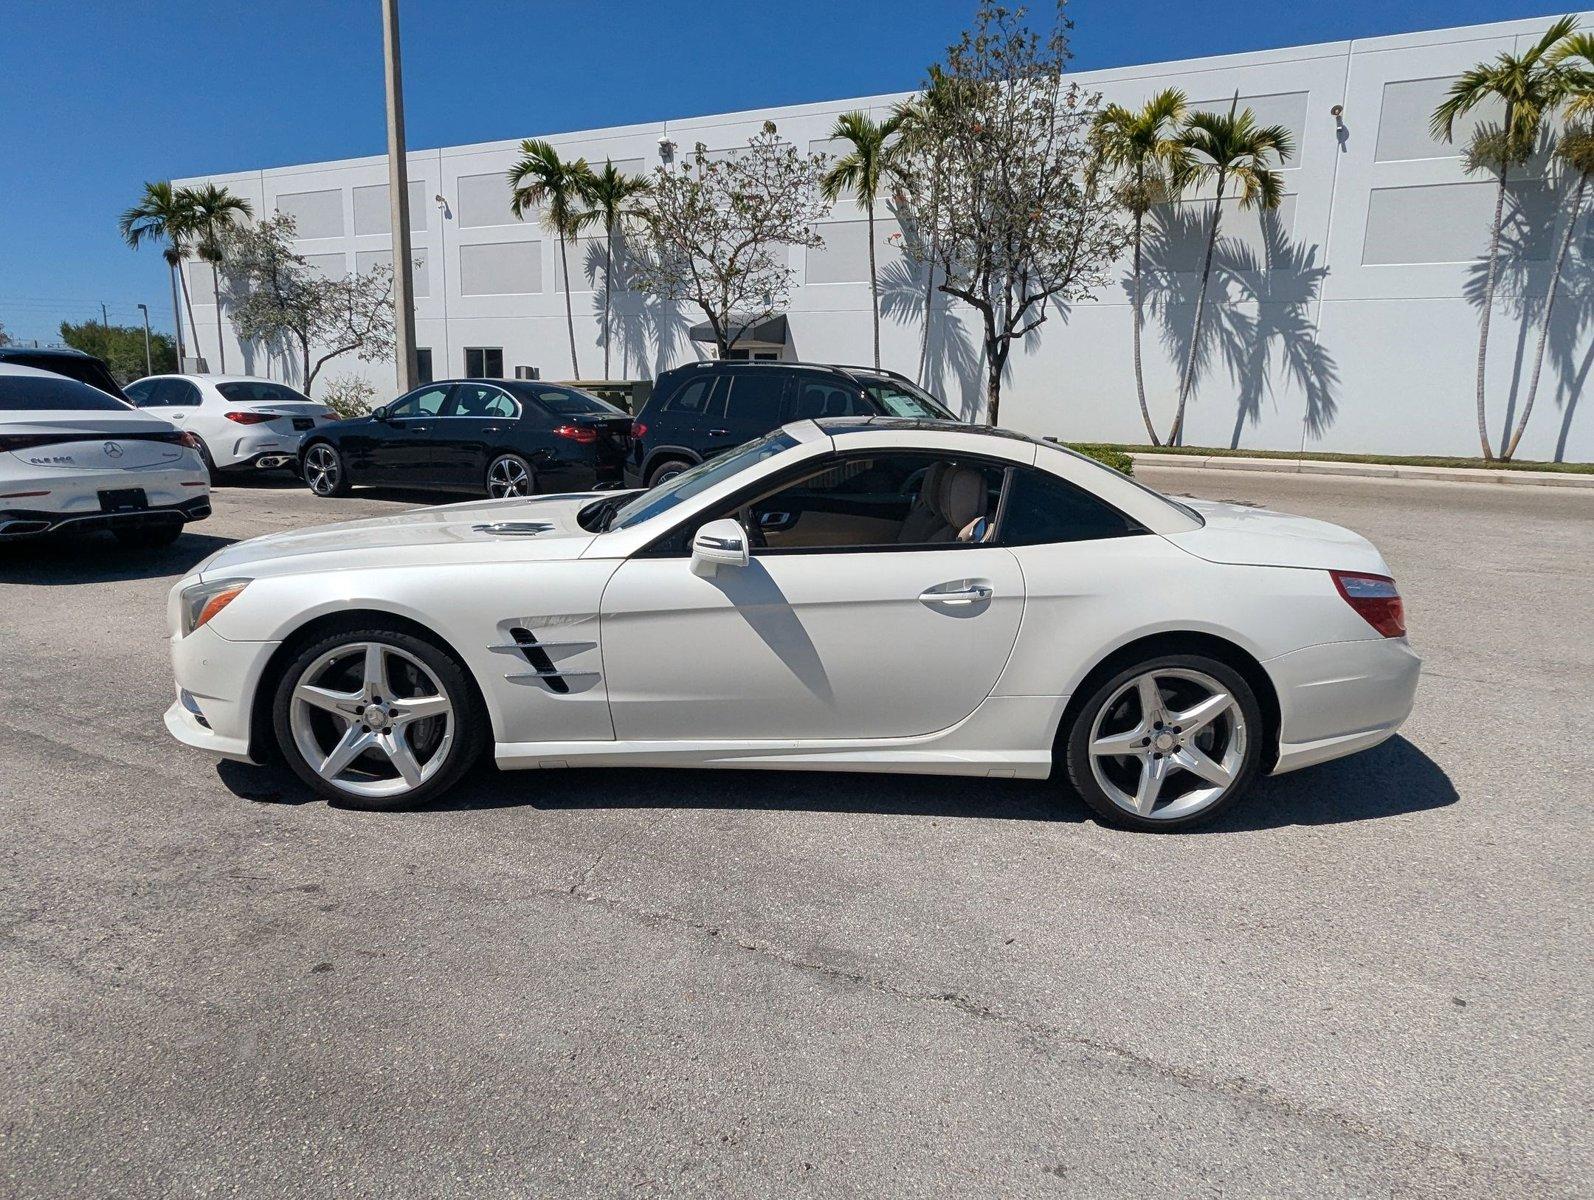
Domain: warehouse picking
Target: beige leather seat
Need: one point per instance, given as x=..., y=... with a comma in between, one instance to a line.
x=962, y=502
x=925, y=518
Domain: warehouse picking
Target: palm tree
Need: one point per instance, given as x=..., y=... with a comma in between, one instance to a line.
x=1530, y=85
x=1576, y=153
x=214, y=210
x=541, y=179
x=162, y=216
x=610, y=193
x=1144, y=145
x=861, y=171
x=1220, y=149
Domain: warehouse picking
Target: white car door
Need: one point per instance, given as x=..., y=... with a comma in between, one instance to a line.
x=850, y=623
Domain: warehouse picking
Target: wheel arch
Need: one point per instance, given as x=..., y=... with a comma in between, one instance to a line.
x=260, y=735
x=660, y=453
x=1181, y=642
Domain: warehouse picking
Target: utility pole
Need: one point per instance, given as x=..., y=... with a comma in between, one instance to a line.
x=398, y=193
x=149, y=362
x=105, y=321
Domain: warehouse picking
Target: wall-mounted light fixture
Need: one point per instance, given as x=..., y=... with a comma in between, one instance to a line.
x=666, y=148
x=442, y=206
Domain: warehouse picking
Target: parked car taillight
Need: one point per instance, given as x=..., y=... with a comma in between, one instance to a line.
x=189, y=439
x=251, y=418
x=585, y=434
x=1376, y=598
x=638, y=430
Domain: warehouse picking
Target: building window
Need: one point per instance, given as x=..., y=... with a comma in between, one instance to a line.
x=484, y=362
x=423, y=364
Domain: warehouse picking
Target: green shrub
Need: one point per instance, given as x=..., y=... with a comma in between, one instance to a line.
x=1109, y=455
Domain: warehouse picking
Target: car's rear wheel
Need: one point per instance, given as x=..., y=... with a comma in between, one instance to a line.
x=667, y=470
x=148, y=536
x=324, y=470
x=211, y=469
x=510, y=475
x=377, y=719
x=1166, y=743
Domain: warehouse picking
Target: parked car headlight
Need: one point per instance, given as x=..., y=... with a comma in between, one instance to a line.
x=203, y=601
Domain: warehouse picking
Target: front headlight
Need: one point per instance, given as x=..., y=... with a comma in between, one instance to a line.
x=203, y=601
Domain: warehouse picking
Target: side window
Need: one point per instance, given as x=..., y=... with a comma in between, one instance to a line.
x=1042, y=508
x=755, y=398
x=183, y=393
x=699, y=398
x=426, y=402
x=139, y=393
x=812, y=398
x=475, y=400
x=878, y=501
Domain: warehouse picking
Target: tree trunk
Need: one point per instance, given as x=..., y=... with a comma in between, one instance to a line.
x=177, y=312
x=994, y=362
x=874, y=286
x=608, y=291
x=1549, y=309
x=570, y=316
x=188, y=303
x=929, y=284
x=1177, y=432
x=1488, y=298
x=1140, y=382
x=304, y=370
x=215, y=291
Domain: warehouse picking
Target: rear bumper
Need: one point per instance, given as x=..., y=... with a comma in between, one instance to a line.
x=1339, y=698
x=245, y=452
x=16, y=523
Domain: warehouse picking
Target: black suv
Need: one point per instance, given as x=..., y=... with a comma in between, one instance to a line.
x=705, y=408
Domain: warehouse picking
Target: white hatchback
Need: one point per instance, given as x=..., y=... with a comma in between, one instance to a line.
x=242, y=423
x=74, y=457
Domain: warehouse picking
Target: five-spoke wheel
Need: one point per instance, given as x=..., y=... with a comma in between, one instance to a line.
x=376, y=718
x=509, y=475
x=323, y=470
x=1166, y=742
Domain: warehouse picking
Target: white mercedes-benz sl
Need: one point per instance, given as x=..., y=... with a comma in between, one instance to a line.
x=861, y=594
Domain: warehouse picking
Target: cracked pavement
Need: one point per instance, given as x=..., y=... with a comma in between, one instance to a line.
x=1371, y=980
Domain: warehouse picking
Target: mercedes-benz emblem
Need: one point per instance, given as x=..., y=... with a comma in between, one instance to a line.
x=113, y=450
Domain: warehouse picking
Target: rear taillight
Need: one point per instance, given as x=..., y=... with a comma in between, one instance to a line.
x=251, y=418
x=190, y=440
x=1376, y=598
x=638, y=430
x=584, y=434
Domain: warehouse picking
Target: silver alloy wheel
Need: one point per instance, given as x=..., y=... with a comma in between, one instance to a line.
x=1168, y=744
x=322, y=469
x=507, y=477
x=668, y=473
x=365, y=737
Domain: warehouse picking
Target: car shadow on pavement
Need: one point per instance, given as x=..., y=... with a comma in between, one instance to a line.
x=1390, y=780
x=100, y=558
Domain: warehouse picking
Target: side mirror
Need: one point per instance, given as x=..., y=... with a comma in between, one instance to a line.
x=721, y=543
x=379, y=413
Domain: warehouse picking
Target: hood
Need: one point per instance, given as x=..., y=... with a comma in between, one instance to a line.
x=521, y=529
x=1245, y=536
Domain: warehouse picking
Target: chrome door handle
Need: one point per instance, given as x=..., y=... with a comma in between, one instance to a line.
x=969, y=595
x=719, y=433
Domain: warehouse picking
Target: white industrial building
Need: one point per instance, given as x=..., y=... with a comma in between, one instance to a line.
x=1349, y=322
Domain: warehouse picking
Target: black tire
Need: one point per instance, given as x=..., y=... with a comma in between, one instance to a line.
x=316, y=481
x=1077, y=748
x=504, y=469
x=211, y=470
x=471, y=722
x=150, y=536
x=665, y=468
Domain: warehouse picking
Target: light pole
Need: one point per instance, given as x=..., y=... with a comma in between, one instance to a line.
x=398, y=191
x=149, y=363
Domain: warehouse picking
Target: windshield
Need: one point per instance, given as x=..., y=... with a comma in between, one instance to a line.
x=34, y=393
x=254, y=392
x=905, y=400
x=700, y=478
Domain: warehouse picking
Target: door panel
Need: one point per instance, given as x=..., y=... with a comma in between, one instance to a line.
x=812, y=645
x=400, y=454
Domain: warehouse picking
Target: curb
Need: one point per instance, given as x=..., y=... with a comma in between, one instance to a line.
x=1297, y=466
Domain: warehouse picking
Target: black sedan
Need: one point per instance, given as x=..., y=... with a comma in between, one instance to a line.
x=499, y=436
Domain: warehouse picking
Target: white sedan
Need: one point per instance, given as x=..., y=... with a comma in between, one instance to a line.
x=74, y=457
x=243, y=424
x=841, y=595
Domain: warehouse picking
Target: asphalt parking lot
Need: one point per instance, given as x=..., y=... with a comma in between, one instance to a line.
x=1372, y=980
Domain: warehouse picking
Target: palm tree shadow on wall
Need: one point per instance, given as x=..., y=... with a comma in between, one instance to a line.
x=1528, y=241
x=954, y=363
x=647, y=330
x=1260, y=324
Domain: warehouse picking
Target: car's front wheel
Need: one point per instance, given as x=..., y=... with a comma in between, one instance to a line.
x=509, y=475
x=377, y=719
x=324, y=471
x=1166, y=743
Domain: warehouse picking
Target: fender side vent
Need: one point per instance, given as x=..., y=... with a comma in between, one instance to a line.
x=539, y=660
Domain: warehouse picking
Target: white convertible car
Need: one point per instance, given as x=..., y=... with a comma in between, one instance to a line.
x=860, y=594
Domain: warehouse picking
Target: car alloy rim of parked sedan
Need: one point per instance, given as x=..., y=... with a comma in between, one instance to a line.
x=508, y=477
x=371, y=719
x=1167, y=744
x=321, y=469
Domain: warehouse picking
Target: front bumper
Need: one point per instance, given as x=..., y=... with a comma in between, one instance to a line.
x=216, y=683
x=18, y=523
x=1342, y=697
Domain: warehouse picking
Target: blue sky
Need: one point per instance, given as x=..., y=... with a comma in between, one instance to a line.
x=98, y=97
